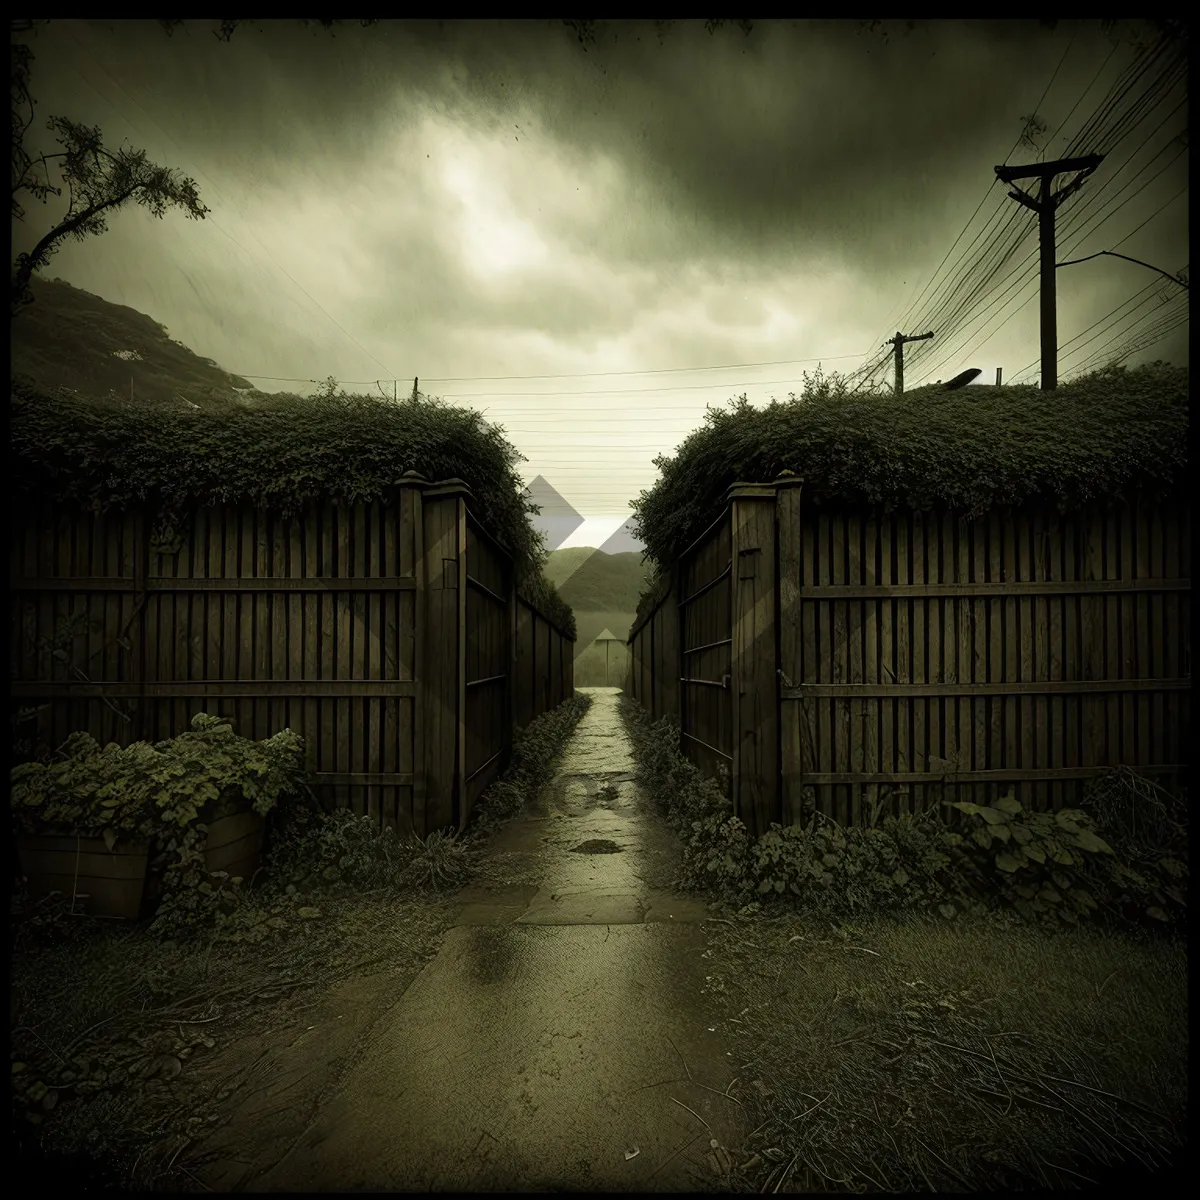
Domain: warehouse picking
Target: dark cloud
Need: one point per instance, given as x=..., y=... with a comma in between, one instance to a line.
x=472, y=198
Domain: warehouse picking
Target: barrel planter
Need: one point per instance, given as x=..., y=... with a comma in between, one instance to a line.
x=108, y=883
x=235, y=845
x=121, y=882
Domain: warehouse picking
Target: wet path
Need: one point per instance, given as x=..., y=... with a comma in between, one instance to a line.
x=549, y=1044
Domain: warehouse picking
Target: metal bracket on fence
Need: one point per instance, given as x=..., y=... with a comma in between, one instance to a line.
x=747, y=566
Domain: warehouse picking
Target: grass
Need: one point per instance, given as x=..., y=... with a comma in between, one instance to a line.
x=917, y=1054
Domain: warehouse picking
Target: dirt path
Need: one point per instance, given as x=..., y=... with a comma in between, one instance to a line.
x=547, y=1046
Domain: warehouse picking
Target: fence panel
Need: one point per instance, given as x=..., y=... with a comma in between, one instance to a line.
x=229, y=621
x=705, y=631
x=488, y=727
x=1028, y=650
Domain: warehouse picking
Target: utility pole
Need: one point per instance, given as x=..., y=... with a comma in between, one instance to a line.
x=414, y=395
x=1045, y=206
x=897, y=344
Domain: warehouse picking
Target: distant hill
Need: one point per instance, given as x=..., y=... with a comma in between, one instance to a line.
x=70, y=338
x=591, y=581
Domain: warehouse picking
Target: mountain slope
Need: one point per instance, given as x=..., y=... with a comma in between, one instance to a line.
x=592, y=581
x=72, y=339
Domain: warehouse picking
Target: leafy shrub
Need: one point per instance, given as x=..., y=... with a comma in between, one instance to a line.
x=1113, y=430
x=1050, y=868
x=536, y=750
x=163, y=792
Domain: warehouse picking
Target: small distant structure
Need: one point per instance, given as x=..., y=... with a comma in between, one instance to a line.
x=605, y=636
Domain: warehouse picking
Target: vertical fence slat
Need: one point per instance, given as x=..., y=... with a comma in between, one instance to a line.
x=872, y=706
x=1009, y=663
x=901, y=666
x=795, y=635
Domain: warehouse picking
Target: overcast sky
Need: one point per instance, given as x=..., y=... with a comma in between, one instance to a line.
x=480, y=200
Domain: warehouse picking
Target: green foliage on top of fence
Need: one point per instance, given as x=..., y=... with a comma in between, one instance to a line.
x=1112, y=431
x=275, y=451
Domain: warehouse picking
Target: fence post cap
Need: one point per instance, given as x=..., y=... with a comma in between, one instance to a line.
x=449, y=487
x=747, y=491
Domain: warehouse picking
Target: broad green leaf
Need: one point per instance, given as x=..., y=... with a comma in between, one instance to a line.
x=1156, y=912
x=1009, y=803
x=1006, y=862
x=982, y=836
x=993, y=816
x=1087, y=840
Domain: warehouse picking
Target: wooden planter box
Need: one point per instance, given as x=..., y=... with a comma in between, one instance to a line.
x=105, y=883
x=120, y=883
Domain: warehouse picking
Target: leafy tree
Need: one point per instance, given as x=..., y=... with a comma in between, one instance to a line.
x=98, y=180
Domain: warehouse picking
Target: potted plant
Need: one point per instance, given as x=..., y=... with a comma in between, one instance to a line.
x=136, y=827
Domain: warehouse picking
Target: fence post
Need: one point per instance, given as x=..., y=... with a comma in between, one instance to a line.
x=791, y=712
x=442, y=691
x=754, y=657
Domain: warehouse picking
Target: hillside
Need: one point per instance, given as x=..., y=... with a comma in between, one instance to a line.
x=591, y=581
x=69, y=338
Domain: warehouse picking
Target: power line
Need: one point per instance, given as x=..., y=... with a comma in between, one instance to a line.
x=1094, y=325
x=1116, y=93
x=1108, y=209
x=1154, y=214
x=1142, y=339
x=1032, y=254
x=942, y=321
x=580, y=375
x=932, y=320
x=1112, y=324
x=1099, y=72
x=659, y=371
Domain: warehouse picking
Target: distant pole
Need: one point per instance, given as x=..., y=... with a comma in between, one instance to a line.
x=1045, y=206
x=394, y=384
x=897, y=344
x=414, y=395
x=607, y=643
x=999, y=373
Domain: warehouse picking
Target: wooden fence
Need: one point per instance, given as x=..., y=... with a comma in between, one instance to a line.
x=390, y=635
x=863, y=664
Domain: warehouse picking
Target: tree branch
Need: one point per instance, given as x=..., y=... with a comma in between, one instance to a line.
x=69, y=226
